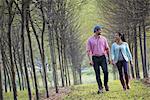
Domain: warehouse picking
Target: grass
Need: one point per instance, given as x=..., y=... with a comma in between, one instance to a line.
x=88, y=91
x=22, y=95
x=138, y=91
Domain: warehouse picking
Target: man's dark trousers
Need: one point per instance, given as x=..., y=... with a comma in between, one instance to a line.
x=97, y=62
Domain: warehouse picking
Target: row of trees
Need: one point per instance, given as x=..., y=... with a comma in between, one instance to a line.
x=23, y=22
x=131, y=17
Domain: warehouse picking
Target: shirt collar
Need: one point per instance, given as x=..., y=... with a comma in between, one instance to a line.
x=96, y=37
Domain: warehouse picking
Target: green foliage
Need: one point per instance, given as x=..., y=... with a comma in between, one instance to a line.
x=89, y=92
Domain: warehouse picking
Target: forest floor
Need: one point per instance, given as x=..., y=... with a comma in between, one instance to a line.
x=138, y=91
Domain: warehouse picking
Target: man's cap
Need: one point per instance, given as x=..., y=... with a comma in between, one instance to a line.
x=97, y=27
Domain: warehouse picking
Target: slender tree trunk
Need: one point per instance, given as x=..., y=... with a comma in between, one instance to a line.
x=68, y=73
x=41, y=47
x=145, y=53
x=17, y=72
x=65, y=64
x=9, y=80
x=80, y=74
x=10, y=20
x=136, y=54
x=23, y=48
x=141, y=49
x=1, y=68
x=1, y=85
x=31, y=51
x=60, y=59
x=7, y=73
x=31, y=74
x=21, y=68
x=74, y=74
x=51, y=43
x=130, y=46
x=5, y=79
x=53, y=59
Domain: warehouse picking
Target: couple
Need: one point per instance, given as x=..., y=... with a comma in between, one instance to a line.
x=98, y=49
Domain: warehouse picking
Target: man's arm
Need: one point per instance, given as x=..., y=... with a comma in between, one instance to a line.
x=88, y=48
x=90, y=59
x=108, y=51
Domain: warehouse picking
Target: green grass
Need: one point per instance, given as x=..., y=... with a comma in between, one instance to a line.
x=22, y=95
x=138, y=91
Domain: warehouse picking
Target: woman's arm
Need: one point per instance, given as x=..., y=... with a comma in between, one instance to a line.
x=128, y=52
x=112, y=52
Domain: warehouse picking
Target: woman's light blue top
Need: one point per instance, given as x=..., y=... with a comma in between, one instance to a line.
x=124, y=50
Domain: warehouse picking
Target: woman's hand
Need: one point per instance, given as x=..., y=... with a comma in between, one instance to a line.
x=131, y=63
x=112, y=62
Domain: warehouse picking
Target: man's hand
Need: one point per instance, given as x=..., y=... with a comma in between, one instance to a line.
x=91, y=63
x=109, y=61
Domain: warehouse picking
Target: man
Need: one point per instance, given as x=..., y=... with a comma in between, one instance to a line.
x=97, y=50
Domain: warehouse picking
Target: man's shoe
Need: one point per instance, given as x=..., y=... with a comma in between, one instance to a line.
x=100, y=91
x=106, y=88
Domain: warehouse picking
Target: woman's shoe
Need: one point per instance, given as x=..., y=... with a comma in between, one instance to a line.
x=124, y=88
x=128, y=87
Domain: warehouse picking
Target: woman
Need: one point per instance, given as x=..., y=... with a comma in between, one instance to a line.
x=121, y=55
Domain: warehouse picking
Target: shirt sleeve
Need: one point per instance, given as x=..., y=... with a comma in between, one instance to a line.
x=112, y=52
x=128, y=52
x=106, y=44
x=88, y=47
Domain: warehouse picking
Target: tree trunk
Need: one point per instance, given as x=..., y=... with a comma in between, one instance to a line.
x=65, y=64
x=23, y=48
x=17, y=69
x=1, y=86
x=53, y=58
x=1, y=68
x=21, y=68
x=41, y=47
x=51, y=43
x=60, y=59
x=9, y=80
x=68, y=73
x=5, y=79
x=10, y=20
x=80, y=74
x=136, y=54
x=145, y=53
x=31, y=51
x=130, y=46
x=141, y=49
